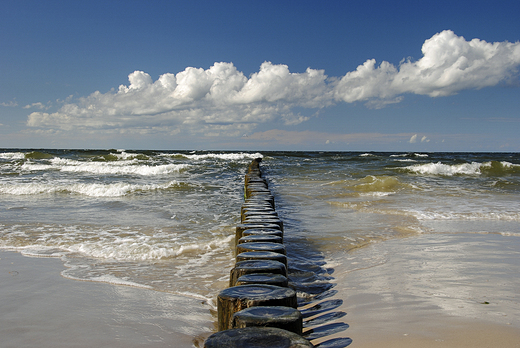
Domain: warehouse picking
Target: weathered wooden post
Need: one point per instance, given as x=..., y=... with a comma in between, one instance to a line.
x=236, y=298
x=257, y=337
x=258, y=309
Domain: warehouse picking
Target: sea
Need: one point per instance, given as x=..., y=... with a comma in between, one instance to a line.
x=165, y=220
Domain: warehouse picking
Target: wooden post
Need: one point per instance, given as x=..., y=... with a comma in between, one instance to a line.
x=236, y=298
x=256, y=337
x=256, y=266
x=286, y=318
x=258, y=309
x=263, y=278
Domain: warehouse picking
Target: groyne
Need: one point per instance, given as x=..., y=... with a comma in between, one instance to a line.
x=258, y=309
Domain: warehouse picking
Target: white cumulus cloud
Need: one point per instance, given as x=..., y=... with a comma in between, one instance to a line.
x=449, y=64
x=222, y=100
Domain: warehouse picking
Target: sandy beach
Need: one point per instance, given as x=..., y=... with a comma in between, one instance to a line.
x=449, y=290
x=424, y=292
x=40, y=308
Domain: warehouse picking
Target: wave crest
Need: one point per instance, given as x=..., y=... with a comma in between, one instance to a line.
x=239, y=156
x=113, y=168
x=492, y=168
x=379, y=184
x=92, y=189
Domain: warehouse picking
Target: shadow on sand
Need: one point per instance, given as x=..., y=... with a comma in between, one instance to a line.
x=314, y=284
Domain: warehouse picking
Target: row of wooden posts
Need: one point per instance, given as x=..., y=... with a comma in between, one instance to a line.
x=258, y=309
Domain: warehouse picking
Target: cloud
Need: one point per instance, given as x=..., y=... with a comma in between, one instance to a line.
x=449, y=64
x=413, y=139
x=221, y=100
x=195, y=99
x=10, y=104
x=36, y=105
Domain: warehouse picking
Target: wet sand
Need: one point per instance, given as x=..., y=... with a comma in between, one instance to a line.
x=441, y=290
x=40, y=308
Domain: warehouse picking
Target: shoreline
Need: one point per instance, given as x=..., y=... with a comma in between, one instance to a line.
x=407, y=300
x=40, y=308
x=432, y=290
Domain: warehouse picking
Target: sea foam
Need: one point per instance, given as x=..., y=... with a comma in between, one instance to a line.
x=221, y=156
x=112, y=168
x=12, y=155
x=473, y=168
x=91, y=189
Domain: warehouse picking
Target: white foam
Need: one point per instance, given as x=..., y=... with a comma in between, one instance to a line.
x=113, y=168
x=405, y=160
x=410, y=155
x=446, y=169
x=510, y=234
x=12, y=155
x=125, y=155
x=375, y=194
x=110, y=279
x=91, y=189
x=222, y=156
x=140, y=247
x=473, y=168
x=504, y=164
x=121, y=244
x=468, y=216
x=26, y=189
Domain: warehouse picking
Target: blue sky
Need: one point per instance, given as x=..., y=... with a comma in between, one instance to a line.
x=260, y=75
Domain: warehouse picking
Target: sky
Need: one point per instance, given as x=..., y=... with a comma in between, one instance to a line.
x=253, y=75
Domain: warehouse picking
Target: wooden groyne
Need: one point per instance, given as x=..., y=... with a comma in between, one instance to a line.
x=258, y=309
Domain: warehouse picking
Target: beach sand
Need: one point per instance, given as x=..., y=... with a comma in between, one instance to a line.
x=441, y=290
x=438, y=290
x=40, y=308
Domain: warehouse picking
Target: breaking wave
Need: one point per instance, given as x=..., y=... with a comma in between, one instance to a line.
x=113, y=243
x=492, y=168
x=92, y=189
x=113, y=168
x=221, y=156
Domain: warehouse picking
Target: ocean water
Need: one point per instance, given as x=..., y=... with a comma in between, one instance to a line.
x=165, y=220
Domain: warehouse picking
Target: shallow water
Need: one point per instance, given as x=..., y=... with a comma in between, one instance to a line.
x=165, y=220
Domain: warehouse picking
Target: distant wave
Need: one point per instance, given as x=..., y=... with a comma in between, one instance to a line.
x=12, y=155
x=222, y=156
x=474, y=168
x=378, y=184
x=422, y=155
x=370, y=185
x=119, y=167
x=405, y=160
x=122, y=155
